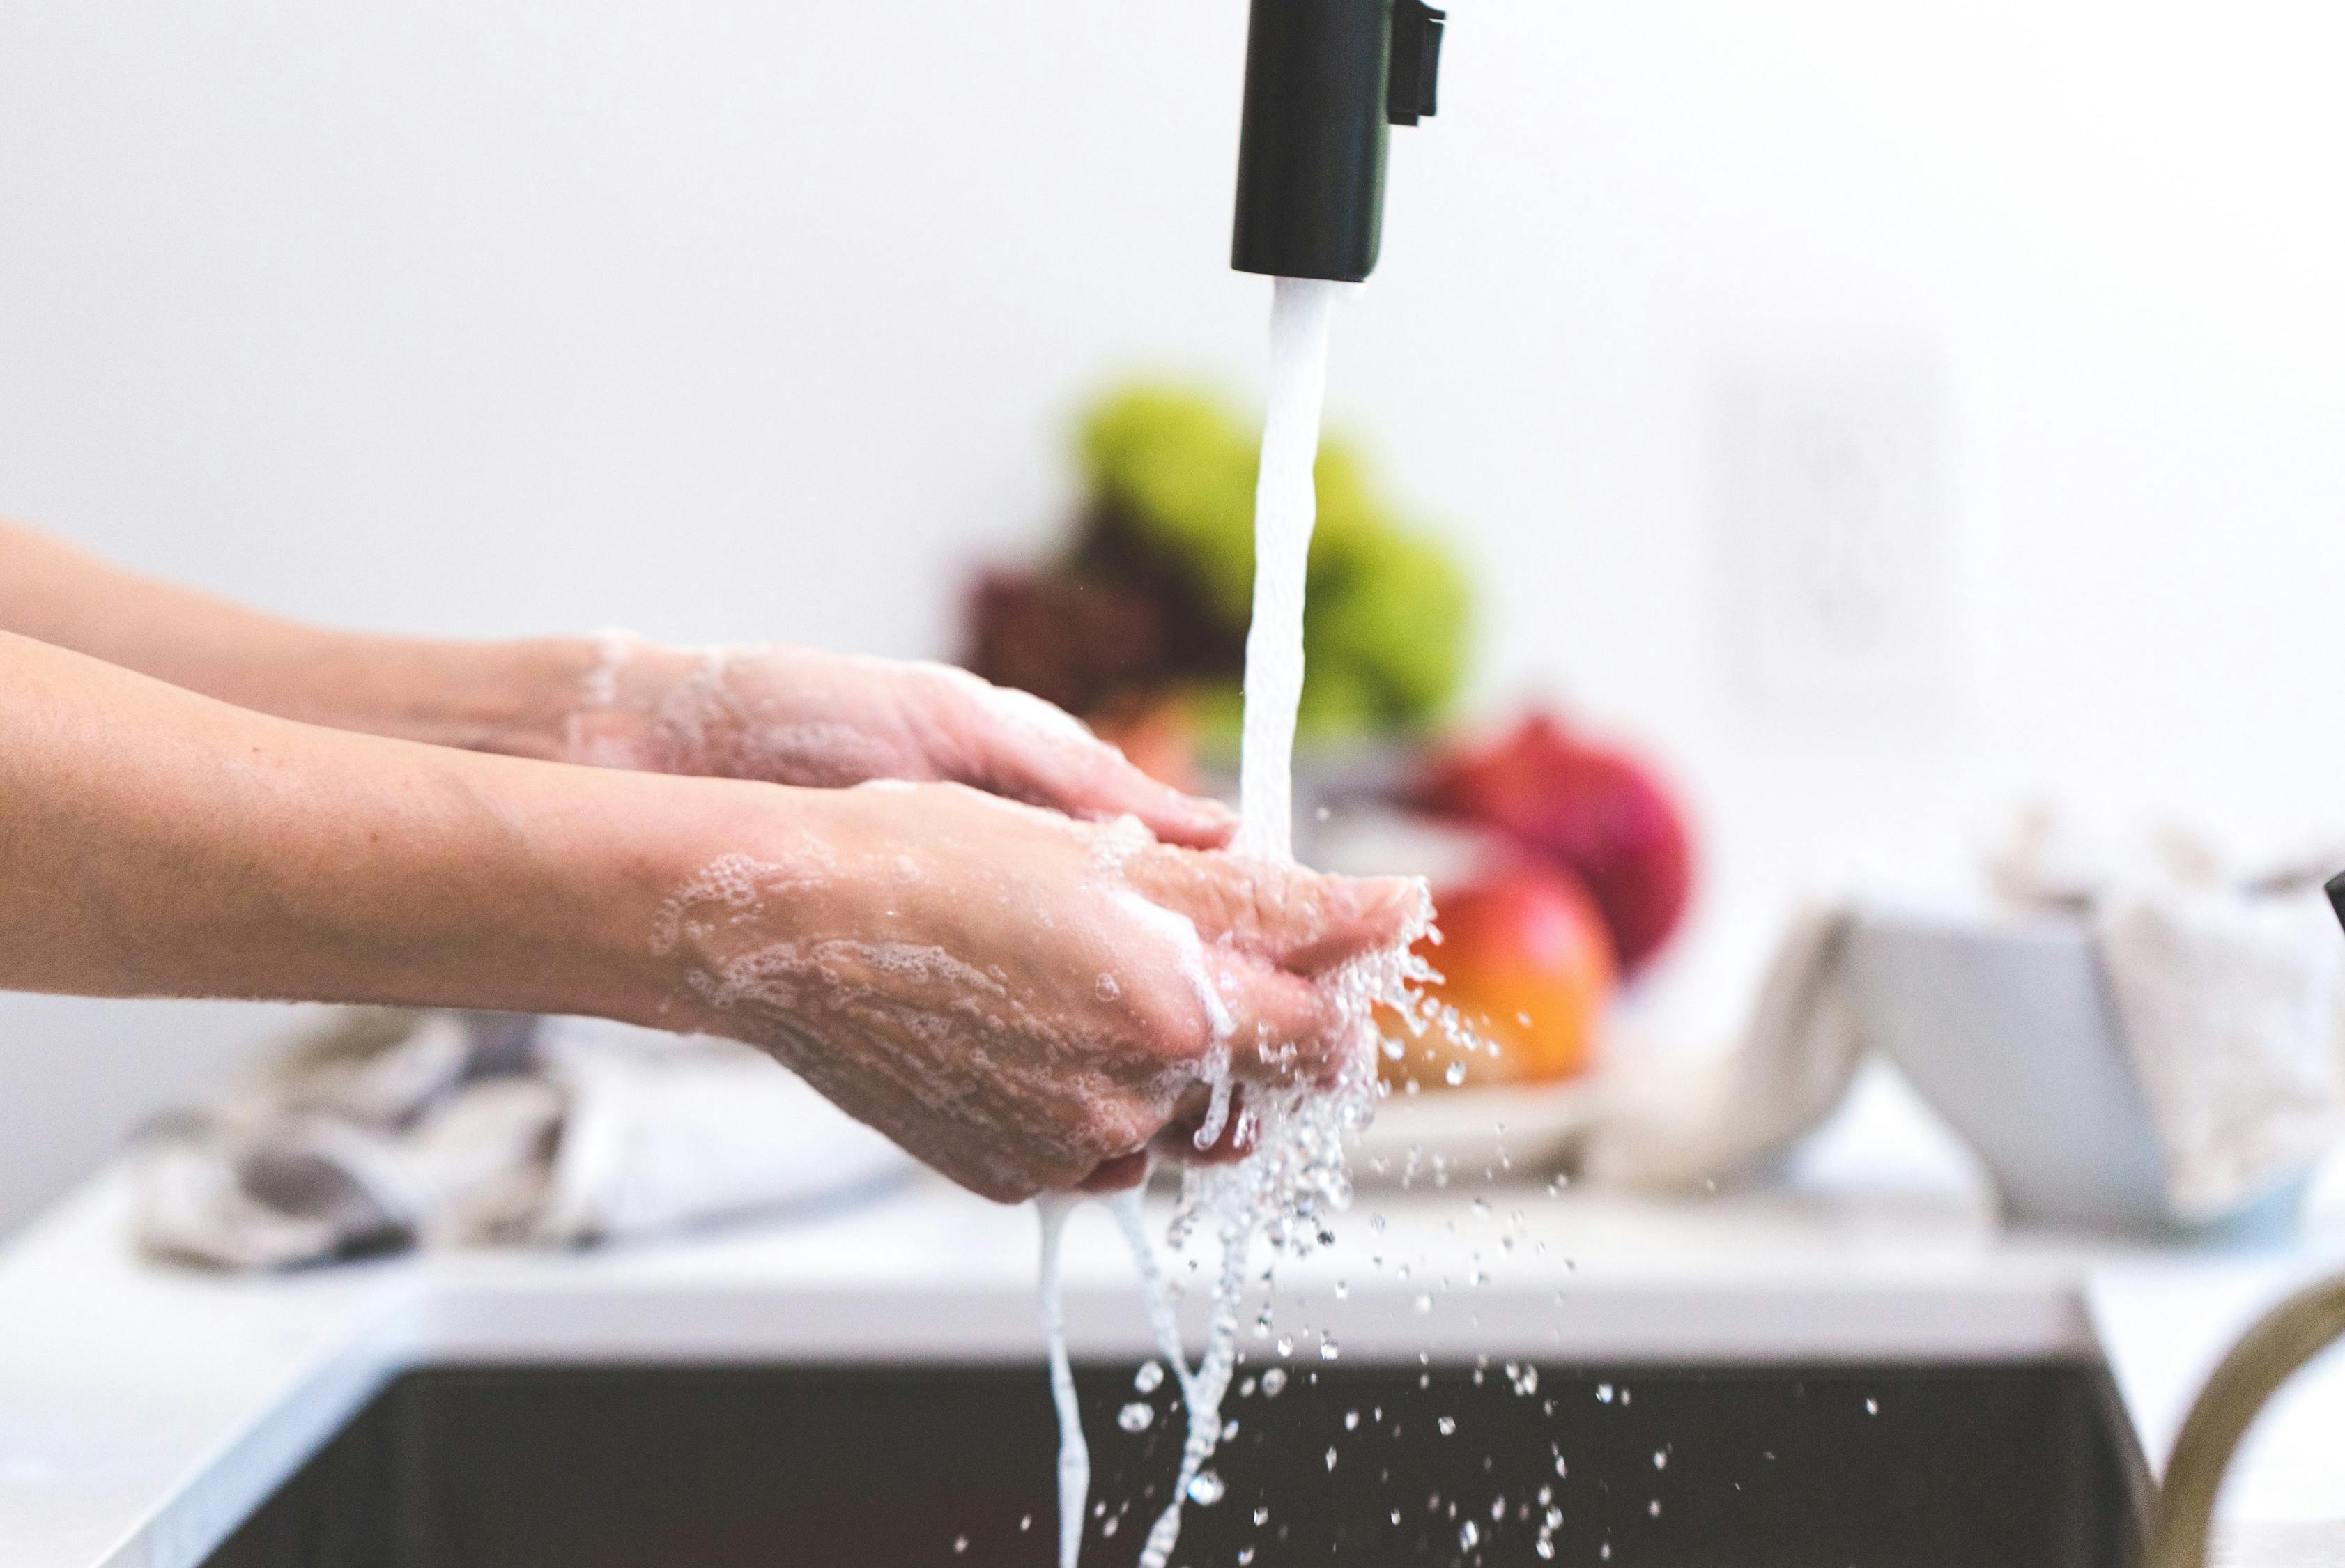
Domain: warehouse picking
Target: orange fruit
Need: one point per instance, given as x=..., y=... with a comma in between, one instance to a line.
x=1526, y=962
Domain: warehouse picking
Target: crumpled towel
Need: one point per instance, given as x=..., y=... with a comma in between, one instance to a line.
x=1677, y=1126
x=2229, y=991
x=394, y=1129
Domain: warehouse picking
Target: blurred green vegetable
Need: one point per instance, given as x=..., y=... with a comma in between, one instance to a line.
x=1170, y=474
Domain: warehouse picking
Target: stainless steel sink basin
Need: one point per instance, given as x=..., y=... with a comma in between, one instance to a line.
x=842, y=1466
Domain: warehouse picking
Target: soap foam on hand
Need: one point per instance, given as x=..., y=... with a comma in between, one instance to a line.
x=1289, y=1187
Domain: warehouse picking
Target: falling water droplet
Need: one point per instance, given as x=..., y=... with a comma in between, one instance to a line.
x=1448, y=1424
x=1272, y=1381
x=1136, y=1417
x=1150, y=1378
x=1469, y=1535
x=1205, y=1489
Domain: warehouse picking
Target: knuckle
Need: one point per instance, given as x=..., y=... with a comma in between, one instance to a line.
x=998, y=1186
x=1172, y=1027
x=1130, y=1127
x=994, y=1177
x=1106, y=1134
x=1065, y=1175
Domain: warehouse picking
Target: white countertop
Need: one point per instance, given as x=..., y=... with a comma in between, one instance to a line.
x=144, y=1409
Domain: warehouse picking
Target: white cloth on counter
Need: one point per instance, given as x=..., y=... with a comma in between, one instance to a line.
x=394, y=1129
x=2227, y=987
x=1676, y=1125
x=2229, y=991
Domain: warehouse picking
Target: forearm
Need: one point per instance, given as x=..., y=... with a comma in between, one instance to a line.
x=153, y=842
x=513, y=698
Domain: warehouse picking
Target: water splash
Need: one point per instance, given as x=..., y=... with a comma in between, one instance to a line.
x=1286, y=1192
x=1288, y=1188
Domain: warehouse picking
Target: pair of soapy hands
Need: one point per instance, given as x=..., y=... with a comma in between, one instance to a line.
x=1010, y=950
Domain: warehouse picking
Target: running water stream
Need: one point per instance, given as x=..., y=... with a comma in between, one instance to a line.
x=1296, y=1177
x=1286, y=506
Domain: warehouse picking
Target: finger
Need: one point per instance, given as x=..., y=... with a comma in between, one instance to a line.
x=1118, y=1175
x=1282, y=915
x=1092, y=779
x=1358, y=915
x=1234, y=1141
x=1016, y=744
x=1108, y=785
x=1282, y=1026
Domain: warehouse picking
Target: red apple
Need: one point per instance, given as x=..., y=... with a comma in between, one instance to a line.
x=1587, y=808
x=1526, y=962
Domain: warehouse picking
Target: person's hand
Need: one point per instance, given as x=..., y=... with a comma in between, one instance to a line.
x=793, y=716
x=1025, y=1002
x=782, y=716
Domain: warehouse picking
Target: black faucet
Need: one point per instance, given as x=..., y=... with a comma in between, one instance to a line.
x=1325, y=78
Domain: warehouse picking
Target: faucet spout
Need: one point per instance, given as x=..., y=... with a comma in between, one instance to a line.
x=1325, y=79
x=2292, y=1334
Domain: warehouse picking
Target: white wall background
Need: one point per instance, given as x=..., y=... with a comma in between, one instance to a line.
x=726, y=319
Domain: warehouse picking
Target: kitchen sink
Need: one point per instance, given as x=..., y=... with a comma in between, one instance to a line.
x=671, y=1466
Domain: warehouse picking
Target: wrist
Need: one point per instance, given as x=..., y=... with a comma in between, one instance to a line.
x=669, y=882
x=596, y=856
x=747, y=876
x=512, y=698
x=637, y=704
